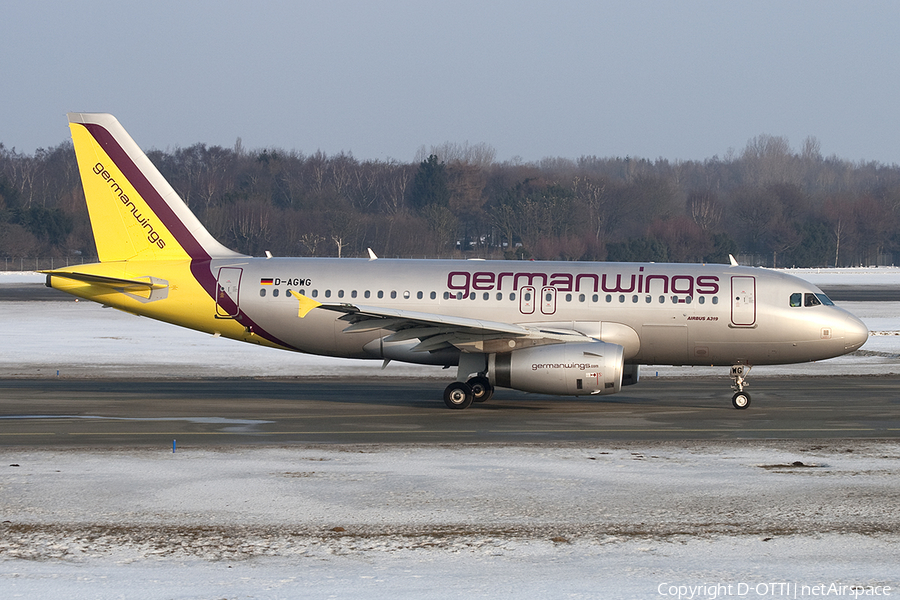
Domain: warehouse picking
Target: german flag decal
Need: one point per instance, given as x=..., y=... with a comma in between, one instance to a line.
x=266, y=281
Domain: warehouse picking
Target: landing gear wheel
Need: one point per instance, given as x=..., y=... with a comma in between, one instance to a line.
x=482, y=390
x=458, y=395
x=741, y=400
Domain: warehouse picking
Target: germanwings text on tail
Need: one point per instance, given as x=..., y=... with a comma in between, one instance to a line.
x=551, y=327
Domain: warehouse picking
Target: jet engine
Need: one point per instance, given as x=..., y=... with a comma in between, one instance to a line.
x=574, y=369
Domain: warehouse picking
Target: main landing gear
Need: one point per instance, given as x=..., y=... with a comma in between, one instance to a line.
x=741, y=399
x=461, y=394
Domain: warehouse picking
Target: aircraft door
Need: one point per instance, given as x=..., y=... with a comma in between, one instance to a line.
x=743, y=300
x=526, y=300
x=228, y=287
x=548, y=300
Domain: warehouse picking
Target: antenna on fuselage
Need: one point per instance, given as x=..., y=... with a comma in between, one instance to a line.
x=734, y=263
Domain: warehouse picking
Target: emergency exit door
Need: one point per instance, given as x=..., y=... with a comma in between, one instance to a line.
x=548, y=300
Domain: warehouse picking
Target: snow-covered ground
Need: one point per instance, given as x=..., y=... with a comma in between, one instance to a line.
x=623, y=521
x=745, y=519
x=860, y=276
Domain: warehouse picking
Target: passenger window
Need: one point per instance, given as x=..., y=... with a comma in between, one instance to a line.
x=595, y=298
x=380, y=294
x=262, y=293
x=715, y=299
x=527, y=296
x=499, y=295
x=340, y=293
x=797, y=299
x=609, y=297
x=433, y=295
x=568, y=298
x=512, y=296
x=446, y=295
x=634, y=299
x=621, y=297
x=487, y=295
x=406, y=295
x=367, y=294
x=811, y=300
x=701, y=299
x=581, y=297
x=419, y=295
x=328, y=293
x=688, y=299
x=648, y=299
x=393, y=294
x=353, y=294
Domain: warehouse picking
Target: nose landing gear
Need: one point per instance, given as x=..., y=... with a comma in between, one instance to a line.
x=741, y=399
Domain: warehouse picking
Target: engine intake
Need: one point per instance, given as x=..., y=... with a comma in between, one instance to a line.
x=575, y=369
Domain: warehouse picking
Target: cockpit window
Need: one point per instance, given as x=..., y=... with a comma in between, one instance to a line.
x=824, y=299
x=808, y=299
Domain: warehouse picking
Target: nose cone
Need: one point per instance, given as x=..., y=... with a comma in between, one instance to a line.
x=856, y=334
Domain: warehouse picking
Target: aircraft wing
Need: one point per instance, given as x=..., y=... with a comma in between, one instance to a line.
x=435, y=331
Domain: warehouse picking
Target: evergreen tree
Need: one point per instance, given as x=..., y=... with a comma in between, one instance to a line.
x=430, y=185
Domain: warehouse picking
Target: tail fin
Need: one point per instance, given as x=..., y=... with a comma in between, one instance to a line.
x=135, y=213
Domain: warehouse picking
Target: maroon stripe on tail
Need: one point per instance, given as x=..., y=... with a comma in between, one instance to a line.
x=156, y=203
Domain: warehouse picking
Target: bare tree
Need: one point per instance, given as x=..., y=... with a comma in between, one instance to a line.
x=705, y=209
x=479, y=155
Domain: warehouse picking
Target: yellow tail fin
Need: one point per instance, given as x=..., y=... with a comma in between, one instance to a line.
x=135, y=213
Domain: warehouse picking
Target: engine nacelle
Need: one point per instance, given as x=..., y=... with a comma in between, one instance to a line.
x=575, y=369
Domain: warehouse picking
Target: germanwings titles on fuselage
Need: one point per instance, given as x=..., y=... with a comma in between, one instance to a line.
x=640, y=282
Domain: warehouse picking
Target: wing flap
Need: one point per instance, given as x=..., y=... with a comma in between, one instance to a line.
x=396, y=319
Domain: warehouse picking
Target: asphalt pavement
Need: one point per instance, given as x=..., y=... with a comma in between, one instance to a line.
x=217, y=412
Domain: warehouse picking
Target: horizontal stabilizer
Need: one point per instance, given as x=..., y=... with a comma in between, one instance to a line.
x=142, y=284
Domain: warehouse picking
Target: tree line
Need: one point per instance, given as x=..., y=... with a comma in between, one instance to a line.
x=772, y=204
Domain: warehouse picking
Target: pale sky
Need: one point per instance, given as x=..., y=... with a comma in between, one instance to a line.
x=379, y=79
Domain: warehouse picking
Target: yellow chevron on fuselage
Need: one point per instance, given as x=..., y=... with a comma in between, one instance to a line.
x=184, y=303
x=131, y=229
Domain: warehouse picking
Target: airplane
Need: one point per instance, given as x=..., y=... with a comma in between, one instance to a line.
x=558, y=328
